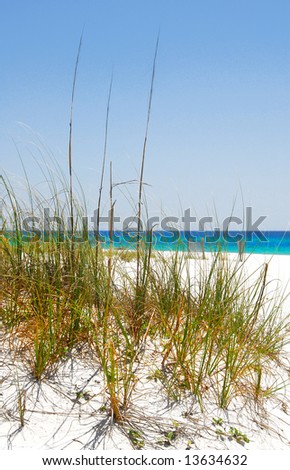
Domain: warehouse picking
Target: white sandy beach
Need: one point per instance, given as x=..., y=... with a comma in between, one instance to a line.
x=67, y=411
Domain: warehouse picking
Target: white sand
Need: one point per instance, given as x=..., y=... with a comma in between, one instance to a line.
x=58, y=416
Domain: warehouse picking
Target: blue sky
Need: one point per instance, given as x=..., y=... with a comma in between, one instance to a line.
x=220, y=123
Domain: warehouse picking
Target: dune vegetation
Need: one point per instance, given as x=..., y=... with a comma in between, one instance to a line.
x=215, y=332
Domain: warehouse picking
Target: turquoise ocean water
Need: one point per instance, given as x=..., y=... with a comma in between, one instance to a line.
x=266, y=242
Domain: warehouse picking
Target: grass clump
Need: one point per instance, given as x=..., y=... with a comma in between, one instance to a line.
x=217, y=333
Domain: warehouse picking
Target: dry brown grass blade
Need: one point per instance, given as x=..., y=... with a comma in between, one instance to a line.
x=70, y=135
x=139, y=213
x=103, y=171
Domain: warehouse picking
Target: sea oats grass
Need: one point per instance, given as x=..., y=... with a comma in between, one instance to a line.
x=217, y=333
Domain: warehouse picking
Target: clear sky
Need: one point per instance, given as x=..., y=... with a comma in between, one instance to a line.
x=220, y=123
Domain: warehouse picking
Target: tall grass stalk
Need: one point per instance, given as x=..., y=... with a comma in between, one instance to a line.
x=143, y=257
x=70, y=165
x=139, y=212
x=103, y=172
